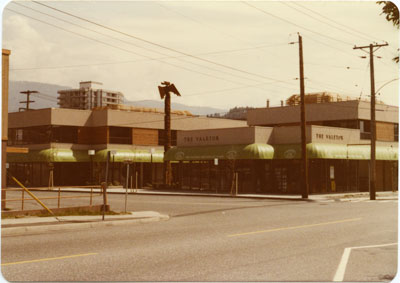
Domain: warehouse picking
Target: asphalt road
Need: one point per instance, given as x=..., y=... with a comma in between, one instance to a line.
x=218, y=239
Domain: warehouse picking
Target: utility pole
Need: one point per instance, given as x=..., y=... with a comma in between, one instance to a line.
x=372, y=168
x=165, y=92
x=4, y=123
x=28, y=93
x=304, y=167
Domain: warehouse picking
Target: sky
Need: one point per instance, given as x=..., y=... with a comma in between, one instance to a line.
x=217, y=53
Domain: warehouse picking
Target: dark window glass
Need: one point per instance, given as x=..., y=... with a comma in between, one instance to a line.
x=31, y=135
x=120, y=135
x=64, y=134
x=161, y=137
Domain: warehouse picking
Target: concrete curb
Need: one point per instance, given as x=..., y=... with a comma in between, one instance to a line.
x=205, y=195
x=222, y=196
x=31, y=230
x=312, y=198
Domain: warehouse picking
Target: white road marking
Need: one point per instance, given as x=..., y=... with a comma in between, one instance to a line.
x=339, y=275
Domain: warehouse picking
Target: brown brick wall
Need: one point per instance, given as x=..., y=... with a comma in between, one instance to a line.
x=145, y=136
x=384, y=131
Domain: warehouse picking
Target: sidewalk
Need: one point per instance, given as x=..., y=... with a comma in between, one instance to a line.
x=40, y=225
x=349, y=196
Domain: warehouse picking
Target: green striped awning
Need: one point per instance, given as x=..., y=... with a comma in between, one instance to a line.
x=68, y=155
x=314, y=151
x=137, y=155
x=335, y=151
x=363, y=152
x=49, y=155
x=249, y=151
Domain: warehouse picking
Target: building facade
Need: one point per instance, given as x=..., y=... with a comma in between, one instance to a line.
x=89, y=95
x=60, y=140
x=265, y=156
x=260, y=155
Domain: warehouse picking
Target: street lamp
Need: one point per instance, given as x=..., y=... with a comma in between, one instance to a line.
x=91, y=152
x=388, y=82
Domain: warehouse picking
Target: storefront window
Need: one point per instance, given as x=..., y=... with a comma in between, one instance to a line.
x=120, y=135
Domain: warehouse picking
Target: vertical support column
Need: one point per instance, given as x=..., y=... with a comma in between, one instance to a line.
x=372, y=187
x=141, y=175
x=210, y=163
x=304, y=167
x=167, y=133
x=190, y=174
x=4, y=124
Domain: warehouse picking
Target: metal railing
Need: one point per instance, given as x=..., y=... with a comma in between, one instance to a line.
x=59, y=196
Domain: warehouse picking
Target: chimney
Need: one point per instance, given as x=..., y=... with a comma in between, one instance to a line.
x=267, y=103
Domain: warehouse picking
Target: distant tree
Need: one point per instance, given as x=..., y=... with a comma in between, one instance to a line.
x=392, y=15
x=391, y=11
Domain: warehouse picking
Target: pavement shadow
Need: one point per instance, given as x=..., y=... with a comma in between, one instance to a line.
x=232, y=208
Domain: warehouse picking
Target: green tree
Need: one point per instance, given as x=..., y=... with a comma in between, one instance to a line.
x=392, y=15
x=391, y=11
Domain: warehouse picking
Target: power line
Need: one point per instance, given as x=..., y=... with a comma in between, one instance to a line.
x=197, y=21
x=330, y=46
x=167, y=57
x=125, y=42
x=143, y=60
x=160, y=45
x=110, y=45
x=85, y=28
x=213, y=76
x=333, y=66
x=335, y=88
x=292, y=23
x=356, y=33
x=223, y=90
x=367, y=36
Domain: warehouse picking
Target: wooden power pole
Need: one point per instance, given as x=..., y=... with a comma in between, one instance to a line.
x=304, y=167
x=165, y=92
x=28, y=93
x=372, y=167
x=4, y=125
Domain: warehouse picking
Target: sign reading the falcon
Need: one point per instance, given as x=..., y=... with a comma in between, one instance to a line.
x=329, y=136
x=201, y=139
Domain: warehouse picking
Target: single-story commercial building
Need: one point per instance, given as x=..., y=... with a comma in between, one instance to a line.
x=267, y=160
x=69, y=146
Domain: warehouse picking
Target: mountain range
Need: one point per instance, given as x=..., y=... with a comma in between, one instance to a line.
x=47, y=98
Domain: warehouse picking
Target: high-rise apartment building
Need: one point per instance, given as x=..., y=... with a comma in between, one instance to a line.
x=89, y=95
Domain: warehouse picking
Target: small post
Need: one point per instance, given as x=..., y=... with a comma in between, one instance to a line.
x=104, y=185
x=91, y=153
x=136, y=182
x=23, y=196
x=152, y=151
x=91, y=197
x=127, y=184
x=104, y=189
x=59, y=194
x=236, y=183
